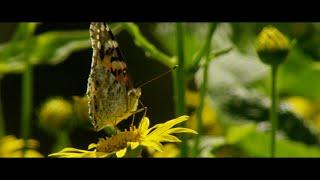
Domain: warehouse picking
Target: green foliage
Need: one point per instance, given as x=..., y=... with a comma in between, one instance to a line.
x=300, y=68
x=257, y=144
x=47, y=48
x=148, y=47
x=239, y=76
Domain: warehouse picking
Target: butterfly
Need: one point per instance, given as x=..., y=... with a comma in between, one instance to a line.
x=112, y=97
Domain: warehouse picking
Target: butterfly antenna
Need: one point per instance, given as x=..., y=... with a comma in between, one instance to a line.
x=155, y=78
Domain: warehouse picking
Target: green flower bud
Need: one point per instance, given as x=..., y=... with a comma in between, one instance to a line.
x=55, y=113
x=272, y=46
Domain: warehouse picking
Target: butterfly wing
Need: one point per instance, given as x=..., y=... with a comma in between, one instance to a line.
x=107, y=84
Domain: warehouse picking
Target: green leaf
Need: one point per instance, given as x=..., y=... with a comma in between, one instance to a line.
x=237, y=133
x=17, y=45
x=54, y=47
x=148, y=47
x=24, y=30
x=300, y=68
x=47, y=48
x=256, y=143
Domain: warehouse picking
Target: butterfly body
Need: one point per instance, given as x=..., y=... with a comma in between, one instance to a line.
x=111, y=96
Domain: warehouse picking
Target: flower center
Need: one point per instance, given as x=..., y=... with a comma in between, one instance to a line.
x=118, y=141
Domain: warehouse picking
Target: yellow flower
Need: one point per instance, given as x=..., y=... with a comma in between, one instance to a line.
x=272, y=46
x=271, y=39
x=192, y=98
x=10, y=146
x=153, y=137
x=55, y=112
x=135, y=137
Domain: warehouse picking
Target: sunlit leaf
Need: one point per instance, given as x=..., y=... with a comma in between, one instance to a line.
x=24, y=30
x=236, y=133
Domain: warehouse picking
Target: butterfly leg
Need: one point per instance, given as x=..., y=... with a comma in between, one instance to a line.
x=114, y=124
x=132, y=121
x=144, y=108
x=137, y=111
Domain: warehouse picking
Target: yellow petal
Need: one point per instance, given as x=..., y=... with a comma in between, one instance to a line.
x=102, y=154
x=153, y=145
x=134, y=145
x=181, y=130
x=65, y=155
x=78, y=153
x=74, y=150
x=149, y=130
x=92, y=146
x=74, y=153
x=144, y=124
x=121, y=153
x=161, y=128
x=168, y=138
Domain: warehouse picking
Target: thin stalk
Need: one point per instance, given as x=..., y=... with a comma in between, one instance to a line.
x=27, y=90
x=148, y=47
x=2, y=123
x=203, y=89
x=25, y=32
x=180, y=85
x=273, y=111
x=203, y=50
x=62, y=141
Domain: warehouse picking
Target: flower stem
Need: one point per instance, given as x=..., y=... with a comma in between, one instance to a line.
x=204, y=51
x=273, y=111
x=2, y=123
x=27, y=82
x=62, y=141
x=148, y=47
x=179, y=85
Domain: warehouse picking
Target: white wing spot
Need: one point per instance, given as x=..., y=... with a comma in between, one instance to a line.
x=115, y=44
x=99, y=44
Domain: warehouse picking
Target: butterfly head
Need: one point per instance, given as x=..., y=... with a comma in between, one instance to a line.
x=134, y=93
x=133, y=99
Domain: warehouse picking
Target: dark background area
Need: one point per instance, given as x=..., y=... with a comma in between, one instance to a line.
x=69, y=78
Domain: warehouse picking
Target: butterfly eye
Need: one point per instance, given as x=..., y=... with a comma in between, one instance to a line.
x=124, y=72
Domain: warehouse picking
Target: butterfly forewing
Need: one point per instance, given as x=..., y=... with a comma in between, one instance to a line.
x=111, y=100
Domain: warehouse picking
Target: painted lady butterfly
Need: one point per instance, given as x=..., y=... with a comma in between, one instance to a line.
x=112, y=97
